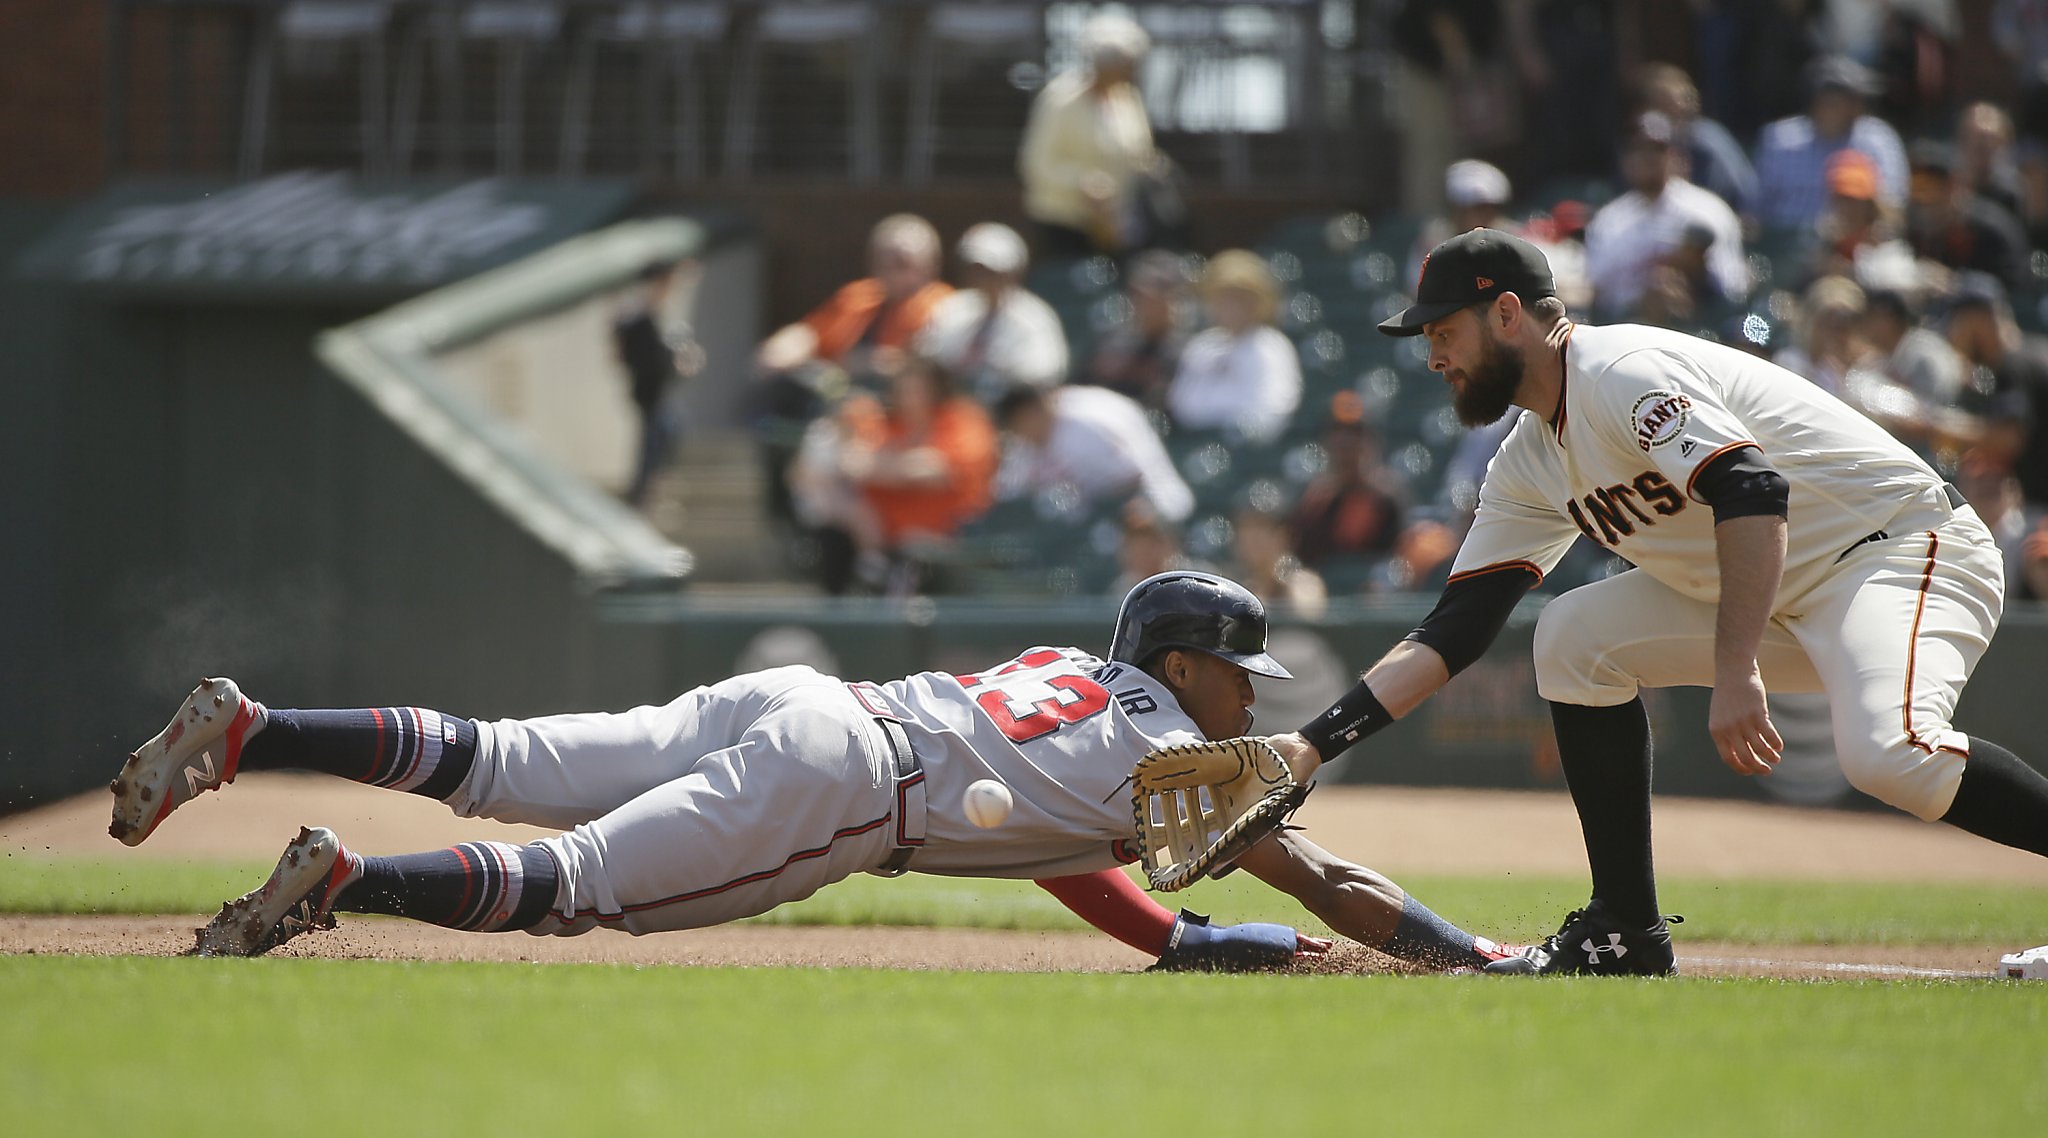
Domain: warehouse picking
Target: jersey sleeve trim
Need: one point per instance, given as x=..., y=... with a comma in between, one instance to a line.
x=1497, y=567
x=1710, y=457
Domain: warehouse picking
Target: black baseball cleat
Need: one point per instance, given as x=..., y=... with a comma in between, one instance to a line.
x=1593, y=943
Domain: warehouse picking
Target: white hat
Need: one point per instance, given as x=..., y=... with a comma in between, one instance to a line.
x=1113, y=36
x=994, y=246
x=1472, y=182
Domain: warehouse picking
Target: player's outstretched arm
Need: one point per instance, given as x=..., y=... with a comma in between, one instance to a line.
x=1113, y=903
x=1363, y=905
x=1390, y=689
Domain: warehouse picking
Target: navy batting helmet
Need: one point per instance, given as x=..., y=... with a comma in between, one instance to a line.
x=1194, y=610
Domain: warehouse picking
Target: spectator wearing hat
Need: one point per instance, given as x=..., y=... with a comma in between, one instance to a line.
x=1478, y=194
x=1948, y=222
x=1985, y=157
x=1088, y=153
x=1649, y=227
x=1854, y=235
x=1714, y=160
x=1915, y=357
x=1792, y=154
x=1139, y=356
x=1241, y=372
x=994, y=334
x=1982, y=329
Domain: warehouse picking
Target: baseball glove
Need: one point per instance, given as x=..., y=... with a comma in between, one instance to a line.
x=1200, y=806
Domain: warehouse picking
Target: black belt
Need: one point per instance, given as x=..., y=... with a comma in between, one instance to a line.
x=906, y=769
x=1956, y=501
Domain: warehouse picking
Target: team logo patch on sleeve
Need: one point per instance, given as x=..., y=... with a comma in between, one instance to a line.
x=1658, y=417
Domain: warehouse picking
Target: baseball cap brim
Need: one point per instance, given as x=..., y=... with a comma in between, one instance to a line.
x=1409, y=321
x=1258, y=663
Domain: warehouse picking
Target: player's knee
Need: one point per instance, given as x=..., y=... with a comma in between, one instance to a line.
x=1901, y=775
x=1568, y=658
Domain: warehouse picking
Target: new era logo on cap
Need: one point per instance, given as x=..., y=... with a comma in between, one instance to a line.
x=1485, y=282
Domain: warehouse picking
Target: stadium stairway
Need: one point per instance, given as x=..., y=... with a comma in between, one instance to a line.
x=712, y=500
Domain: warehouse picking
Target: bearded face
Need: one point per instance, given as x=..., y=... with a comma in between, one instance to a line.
x=1489, y=387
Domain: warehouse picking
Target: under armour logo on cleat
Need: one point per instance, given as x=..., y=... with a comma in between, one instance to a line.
x=198, y=778
x=1593, y=949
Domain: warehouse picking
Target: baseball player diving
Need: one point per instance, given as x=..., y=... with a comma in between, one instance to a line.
x=766, y=787
x=1781, y=541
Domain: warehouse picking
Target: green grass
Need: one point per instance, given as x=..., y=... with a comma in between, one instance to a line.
x=1509, y=908
x=339, y=1048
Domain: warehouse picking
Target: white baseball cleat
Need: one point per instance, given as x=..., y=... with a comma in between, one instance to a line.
x=198, y=751
x=298, y=898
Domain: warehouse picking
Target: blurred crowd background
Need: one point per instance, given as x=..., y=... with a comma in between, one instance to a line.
x=1062, y=295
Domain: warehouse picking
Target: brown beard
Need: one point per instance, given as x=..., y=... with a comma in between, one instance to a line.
x=1490, y=384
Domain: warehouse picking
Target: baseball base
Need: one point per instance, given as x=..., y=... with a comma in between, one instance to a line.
x=2029, y=965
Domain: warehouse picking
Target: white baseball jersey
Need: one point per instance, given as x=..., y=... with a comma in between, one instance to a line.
x=1643, y=410
x=1890, y=594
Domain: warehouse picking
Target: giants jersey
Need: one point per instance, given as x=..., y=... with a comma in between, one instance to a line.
x=1643, y=410
x=1057, y=726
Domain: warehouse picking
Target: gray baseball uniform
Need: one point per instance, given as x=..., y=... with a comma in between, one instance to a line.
x=764, y=788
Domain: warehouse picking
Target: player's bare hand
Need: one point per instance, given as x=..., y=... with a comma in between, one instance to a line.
x=1741, y=725
x=1306, y=945
x=1298, y=753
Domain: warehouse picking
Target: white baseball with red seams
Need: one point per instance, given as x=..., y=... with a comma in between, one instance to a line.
x=987, y=803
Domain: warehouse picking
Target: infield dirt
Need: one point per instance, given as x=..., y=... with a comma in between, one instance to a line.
x=1400, y=831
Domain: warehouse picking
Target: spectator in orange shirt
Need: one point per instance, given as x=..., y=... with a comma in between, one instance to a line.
x=897, y=479
x=858, y=335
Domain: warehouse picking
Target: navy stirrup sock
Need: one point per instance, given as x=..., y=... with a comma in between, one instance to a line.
x=404, y=748
x=478, y=886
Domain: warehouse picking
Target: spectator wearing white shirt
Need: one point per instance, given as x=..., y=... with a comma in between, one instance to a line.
x=1638, y=233
x=993, y=334
x=1241, y=372
x=1090, y=438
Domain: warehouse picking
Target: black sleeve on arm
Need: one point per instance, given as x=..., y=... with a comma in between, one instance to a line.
x=1742, y=483
x=1471, y=612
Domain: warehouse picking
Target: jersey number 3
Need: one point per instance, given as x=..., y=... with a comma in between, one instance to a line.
x=1026, y=702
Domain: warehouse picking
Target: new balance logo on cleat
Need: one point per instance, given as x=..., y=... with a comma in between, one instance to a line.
x=198, y=778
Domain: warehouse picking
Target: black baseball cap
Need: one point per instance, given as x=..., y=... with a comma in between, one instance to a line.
x=1472, y=268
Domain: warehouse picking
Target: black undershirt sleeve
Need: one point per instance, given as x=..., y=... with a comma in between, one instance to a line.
x=1742, y=483
x=1471, y=612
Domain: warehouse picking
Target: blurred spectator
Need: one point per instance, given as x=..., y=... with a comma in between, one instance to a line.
x=1093, y=180
x=1914, y=357
x=657, y=354
x=2020, y=28
x=888, y=483
x=1995, y=494
x=1985, y=159
x=1855, y=236
x=1352, y=509
x=2013, y=369
x=1451, y=98
x=1829, y=338
x=1792, y=153
x=1138, y=357
x=1479, y=193
x=1241, y=372
x=994, y=334
x=1908, y=43
x=1950, y=223
x=1750, y=54
x=1267, y=565
x=1653, y=225
x=1147, y=547
x=1092, y=439
x=862, y=331
x=1570, y=55
x=2034, y=561
x=1714, y=160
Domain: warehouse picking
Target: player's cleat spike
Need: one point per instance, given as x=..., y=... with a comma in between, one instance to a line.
x=298, y=898
x=199, y=750
x=1593, y=943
